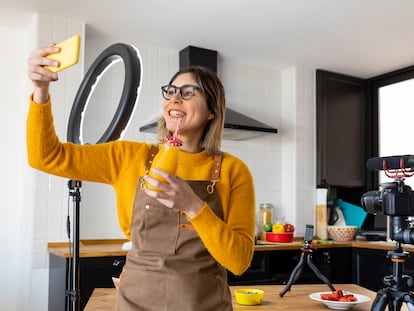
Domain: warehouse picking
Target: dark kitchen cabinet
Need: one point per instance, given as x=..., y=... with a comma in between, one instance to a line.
x=372, y=265
x=95, y=272
x=259, y=271
x=343, y=129
x=335, y=264
x=344, y=135
x=275, y=267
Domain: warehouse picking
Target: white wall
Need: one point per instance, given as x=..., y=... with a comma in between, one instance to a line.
x=30, y=199
x=16, y=192
x=34, y=205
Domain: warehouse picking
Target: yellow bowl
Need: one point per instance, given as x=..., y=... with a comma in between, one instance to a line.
x=249, y=296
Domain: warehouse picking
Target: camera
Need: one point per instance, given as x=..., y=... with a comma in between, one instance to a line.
x=393, y=199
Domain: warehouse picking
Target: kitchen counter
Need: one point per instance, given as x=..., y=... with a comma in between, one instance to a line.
x=272, y=264
x=296, y=299
x=110, y=248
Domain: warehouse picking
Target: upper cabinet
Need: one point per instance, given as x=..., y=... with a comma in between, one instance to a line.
x=343, y=129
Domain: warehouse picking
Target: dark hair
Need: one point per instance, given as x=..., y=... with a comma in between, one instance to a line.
x=213, y=90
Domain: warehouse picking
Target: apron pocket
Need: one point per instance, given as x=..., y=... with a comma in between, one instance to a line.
x=159, y=231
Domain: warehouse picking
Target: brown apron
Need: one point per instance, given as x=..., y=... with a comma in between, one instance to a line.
x=168, y=267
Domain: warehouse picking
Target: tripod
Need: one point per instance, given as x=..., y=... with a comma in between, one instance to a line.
x=398, y=285
x=305, y=258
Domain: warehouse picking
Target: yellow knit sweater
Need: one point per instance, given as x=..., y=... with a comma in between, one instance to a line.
x=120, y=163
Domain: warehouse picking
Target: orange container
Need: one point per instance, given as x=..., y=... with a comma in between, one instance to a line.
x=281, y=237
x=167, y=160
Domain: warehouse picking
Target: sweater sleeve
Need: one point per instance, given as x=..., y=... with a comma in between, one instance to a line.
x=48, y=154
x=231, y=241
x=102, y=163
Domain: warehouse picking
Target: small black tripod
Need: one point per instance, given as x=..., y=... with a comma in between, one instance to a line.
x=399, y=286
x=306, y=257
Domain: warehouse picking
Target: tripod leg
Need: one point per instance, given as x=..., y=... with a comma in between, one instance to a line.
x=294, y=275
x=381, y=300
x=395, y=304
x=319, y=274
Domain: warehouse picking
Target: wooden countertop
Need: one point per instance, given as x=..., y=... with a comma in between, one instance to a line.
x=296, y=299
x=112, y=248
x=90, y=248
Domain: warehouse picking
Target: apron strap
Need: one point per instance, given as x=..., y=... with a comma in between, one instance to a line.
x=150, y=158
x=215, y=173
x=153, y=151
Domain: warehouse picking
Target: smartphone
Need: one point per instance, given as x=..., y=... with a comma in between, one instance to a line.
x=68, y=54
x=308, y=234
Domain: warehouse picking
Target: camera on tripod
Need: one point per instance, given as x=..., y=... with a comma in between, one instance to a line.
x=394, y=199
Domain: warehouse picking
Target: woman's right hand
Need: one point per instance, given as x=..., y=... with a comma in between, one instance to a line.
x=40, y=76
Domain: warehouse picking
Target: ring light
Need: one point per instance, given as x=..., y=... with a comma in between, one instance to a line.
x=130, y=93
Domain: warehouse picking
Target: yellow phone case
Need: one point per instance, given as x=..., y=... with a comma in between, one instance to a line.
x=68, y=54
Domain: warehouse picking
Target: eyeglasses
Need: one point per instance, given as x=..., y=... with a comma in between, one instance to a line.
x=186, y=91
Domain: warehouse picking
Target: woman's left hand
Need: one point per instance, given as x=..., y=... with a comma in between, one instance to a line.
x=175, y=193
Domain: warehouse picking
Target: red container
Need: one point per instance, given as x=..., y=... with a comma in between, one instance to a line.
x=282, y=237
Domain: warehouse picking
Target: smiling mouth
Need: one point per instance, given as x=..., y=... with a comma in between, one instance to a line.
x=176, y=113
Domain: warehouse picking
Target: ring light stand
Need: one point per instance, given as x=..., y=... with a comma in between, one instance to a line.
x=123, y=114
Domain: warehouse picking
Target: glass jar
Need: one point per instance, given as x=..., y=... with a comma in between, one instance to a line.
x=266, y=213
x=167, y=160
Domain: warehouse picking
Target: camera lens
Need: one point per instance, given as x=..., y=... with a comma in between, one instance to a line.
x=371, y=201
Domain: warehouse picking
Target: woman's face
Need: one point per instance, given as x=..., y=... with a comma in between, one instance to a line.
x=194, y=111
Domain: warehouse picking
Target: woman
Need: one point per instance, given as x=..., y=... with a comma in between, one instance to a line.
x=185, y=236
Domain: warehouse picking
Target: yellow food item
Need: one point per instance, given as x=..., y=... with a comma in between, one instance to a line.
x=277, y=228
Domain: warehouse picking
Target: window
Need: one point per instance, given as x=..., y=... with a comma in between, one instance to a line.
x=396, y=122
x=393, y=100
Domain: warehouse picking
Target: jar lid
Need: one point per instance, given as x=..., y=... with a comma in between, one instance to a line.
x=266, y=205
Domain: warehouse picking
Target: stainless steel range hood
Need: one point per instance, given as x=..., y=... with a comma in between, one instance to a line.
x=237, y=126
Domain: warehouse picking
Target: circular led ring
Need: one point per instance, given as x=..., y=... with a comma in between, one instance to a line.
x=129, y=96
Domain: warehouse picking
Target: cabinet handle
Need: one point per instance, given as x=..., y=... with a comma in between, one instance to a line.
x=118, y=263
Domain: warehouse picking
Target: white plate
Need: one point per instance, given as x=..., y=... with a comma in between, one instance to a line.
x=339, y=305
